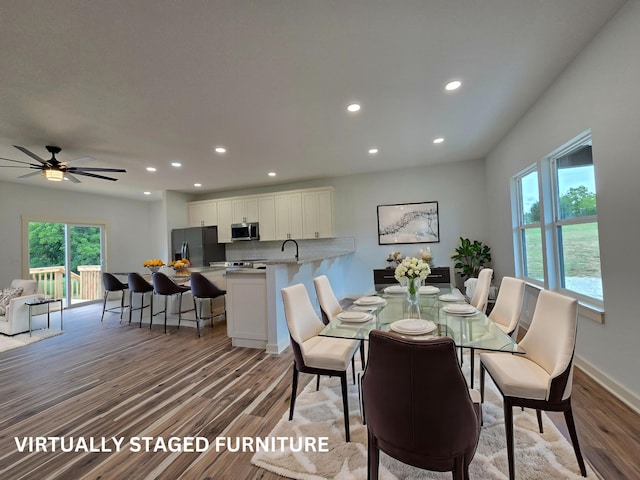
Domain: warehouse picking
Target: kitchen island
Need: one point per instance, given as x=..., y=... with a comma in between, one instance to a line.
x=255, y=311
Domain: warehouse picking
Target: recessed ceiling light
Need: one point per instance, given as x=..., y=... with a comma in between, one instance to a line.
x=197, y=184
x=176, y=164
x=354, y=107
x=151, y=169
x=453, y=85
x=373, y=151
x=438, y=140
x=147, y=193
x=221, y=150
x=272, y=174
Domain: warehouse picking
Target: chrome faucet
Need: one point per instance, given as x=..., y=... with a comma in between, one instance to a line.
x=290, y=240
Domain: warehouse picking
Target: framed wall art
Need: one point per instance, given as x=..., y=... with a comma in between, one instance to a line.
x=408, y=223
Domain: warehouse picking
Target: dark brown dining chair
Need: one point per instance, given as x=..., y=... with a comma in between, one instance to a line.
x=541, y=378
x=312, y=353
x=163, y=285
x=137, y=284
x=418, y=407
x=112, y=284
x=202, y=289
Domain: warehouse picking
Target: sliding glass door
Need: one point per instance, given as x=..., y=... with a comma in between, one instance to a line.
x=66, y=260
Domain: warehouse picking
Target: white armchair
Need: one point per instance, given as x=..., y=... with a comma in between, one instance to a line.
x=16, y=317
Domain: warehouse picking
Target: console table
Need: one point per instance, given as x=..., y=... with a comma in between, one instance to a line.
x=47, y=302
x=385, y=276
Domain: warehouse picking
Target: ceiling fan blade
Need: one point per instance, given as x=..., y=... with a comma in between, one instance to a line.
x=31, y=154
x=71, y=178
x=95, y=176
x=20, y=161
x=84, y=159
x=95, y=169
x=39, y=172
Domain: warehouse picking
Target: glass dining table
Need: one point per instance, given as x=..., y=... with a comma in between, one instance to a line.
x=444, y=306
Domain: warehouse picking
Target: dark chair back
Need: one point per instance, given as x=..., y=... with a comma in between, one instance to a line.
x=433, y=424
x=138, y=284
x=111, y=283
x=202, y=287
x=163, y=285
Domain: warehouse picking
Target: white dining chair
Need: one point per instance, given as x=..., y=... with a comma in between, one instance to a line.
x=312, y=353
x=481, y=293
x=542, y=377
x=506, y=311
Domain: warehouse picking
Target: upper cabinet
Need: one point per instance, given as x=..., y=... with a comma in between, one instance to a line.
x=245, y=209
x=267, y=217
x=288, y=215
x=317, y=214
x=225, y=219
x=296, y=214
x=203, y=213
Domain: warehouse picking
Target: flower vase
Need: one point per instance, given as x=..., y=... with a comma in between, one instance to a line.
x=413, y=305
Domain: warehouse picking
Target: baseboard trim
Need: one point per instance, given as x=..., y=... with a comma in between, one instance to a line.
x=620, y=392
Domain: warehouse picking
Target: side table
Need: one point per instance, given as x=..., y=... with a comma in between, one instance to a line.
x=47, y=302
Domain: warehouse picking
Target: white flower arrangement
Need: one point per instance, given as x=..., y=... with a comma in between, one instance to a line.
x=412, y=267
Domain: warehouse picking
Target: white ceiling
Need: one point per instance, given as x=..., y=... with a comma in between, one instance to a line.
x=147, y=82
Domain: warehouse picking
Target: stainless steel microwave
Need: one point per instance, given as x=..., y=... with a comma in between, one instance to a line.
x=245, y=231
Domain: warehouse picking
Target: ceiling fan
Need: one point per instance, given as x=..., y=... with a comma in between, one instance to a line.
x=56, y=171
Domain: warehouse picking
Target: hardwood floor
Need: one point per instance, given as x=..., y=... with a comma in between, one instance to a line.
x=114, y=380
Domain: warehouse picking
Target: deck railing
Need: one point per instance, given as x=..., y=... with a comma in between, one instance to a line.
x=85, y=285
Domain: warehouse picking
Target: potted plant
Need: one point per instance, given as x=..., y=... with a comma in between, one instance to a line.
x=470, y=258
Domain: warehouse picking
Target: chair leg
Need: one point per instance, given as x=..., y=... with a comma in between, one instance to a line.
x=373, y=457
x=345, y=404
x=508, y=427
x=481, y=383
x=571, y=426
x=294, y=391
x=539, y=415
x=458, y=472
x=104, y=305
x=165, y=314
x=317, y=383
x=131, y=305
x=150, y=312
x=211, y=310
x=362, y=353
x=472, y=363
x=122, y=306
x=353, y=369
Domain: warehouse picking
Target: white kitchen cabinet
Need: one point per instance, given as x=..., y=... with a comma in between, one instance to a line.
x=245, y=209
x=317, y=214
x=288, y=215
x=267, y=217
x=203, y=213
x=225, y=219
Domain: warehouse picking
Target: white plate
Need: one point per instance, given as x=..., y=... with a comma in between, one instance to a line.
x=352, y=316
x=459, y=309
x=369, y=300
x=395, y=289
x=429, y=290
x=412, y=326
x=450, y=297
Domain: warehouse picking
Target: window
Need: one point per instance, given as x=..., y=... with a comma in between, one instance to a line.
x=556, y=223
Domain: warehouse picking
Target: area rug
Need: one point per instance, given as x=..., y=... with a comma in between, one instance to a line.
x=22, y=339
x=547, y=456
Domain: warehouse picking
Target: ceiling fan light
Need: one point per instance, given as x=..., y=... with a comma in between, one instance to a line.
x=53, y=175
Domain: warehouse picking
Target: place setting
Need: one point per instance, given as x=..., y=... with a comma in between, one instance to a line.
x=413, y=326
x=460, y=309
x=354, y=316
x=370, y=301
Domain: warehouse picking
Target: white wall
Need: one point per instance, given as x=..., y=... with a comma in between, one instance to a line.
x=599, y=90
x=130, y=223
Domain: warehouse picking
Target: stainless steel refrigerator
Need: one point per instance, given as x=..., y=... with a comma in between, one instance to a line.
x=198, y=244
